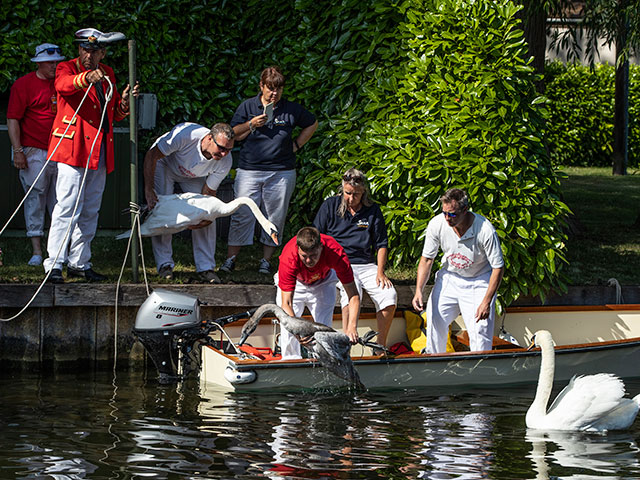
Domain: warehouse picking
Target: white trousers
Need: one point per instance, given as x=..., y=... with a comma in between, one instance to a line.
x=319, y=298
x=453, y=295
x=43, y=196
x=203, y=239
x=364, y=276
x=76, y=247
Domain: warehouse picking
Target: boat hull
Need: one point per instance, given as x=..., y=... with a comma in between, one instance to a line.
x=577, y=356
x=419, y=371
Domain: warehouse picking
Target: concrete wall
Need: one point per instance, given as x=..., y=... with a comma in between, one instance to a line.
x=606, y=53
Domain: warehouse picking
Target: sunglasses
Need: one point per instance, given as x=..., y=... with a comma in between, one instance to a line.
x=352, y=178
x=221, y=148
x=451, y=214
x=50, y=51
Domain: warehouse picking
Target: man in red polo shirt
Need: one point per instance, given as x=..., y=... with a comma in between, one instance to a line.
x=30, y=114
x=310, y=266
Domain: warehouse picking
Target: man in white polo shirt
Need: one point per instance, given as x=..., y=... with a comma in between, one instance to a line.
x=197, y=159
x=472, y=269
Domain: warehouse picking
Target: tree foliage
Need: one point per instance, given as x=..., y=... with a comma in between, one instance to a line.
x=597, y=20
x=422, y=95
x=579, y=129
x=440, y=97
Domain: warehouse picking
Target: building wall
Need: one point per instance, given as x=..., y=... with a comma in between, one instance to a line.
x=607, y=54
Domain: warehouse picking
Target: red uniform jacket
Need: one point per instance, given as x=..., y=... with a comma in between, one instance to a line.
x=75, y=146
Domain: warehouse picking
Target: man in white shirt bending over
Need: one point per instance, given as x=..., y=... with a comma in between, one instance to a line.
x=198, y=159
x=472, y=269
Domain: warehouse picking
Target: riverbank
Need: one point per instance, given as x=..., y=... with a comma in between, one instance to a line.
x=74, y=326
x=603, y=243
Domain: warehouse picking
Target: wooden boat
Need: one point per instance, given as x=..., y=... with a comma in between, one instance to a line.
x=589, y=340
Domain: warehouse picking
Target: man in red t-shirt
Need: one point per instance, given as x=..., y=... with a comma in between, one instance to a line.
x=30, y=114
x=310, y=266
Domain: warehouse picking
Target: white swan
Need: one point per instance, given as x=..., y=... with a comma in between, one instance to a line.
x=592, y=403
x=174, y=213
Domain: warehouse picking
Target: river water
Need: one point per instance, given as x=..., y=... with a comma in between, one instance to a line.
x=95, y=425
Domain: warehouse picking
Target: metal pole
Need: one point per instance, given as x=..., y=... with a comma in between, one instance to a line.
x=133, y=155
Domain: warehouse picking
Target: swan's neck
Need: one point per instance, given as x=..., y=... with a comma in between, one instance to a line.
x=269, y=308
x=545, y=379
x=262, y=220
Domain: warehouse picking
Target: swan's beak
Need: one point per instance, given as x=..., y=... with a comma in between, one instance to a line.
x=274, y=237
x=532, y=345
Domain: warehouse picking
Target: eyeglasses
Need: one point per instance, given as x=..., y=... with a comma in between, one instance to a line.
x=50, y=51
x=220, y=147
x=347, y=177
x=451, y=214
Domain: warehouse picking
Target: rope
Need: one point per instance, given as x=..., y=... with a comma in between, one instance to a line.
x=24, y=199
x=75, y=207
x=135, y=209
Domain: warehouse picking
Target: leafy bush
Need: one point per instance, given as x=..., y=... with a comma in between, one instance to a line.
x=580, y=125
x=199, y=59
x=425, y=96
x=422, y=95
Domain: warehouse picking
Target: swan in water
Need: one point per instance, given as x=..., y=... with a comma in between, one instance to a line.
x=331, y=348
x=591, y=403
x=174, y=213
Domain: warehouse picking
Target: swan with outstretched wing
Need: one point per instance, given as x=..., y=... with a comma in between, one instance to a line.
x=177, y=212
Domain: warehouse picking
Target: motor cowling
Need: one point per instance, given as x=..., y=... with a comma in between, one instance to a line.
x=162, y=320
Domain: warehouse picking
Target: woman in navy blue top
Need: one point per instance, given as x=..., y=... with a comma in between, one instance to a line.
x=357, y=224
x=266, y=166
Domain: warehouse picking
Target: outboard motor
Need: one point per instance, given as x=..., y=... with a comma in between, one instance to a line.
x=169, y=326
x=161, y=322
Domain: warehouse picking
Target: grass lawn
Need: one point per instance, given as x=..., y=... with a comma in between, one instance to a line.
x=607, y=209
x=606, y=244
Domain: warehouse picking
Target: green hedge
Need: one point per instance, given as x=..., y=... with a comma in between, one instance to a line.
x=423, y=95
x=580, y=124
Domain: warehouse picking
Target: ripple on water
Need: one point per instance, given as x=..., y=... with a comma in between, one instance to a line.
x=92, y=426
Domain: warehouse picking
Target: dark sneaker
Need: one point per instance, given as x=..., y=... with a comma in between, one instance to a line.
x=209, y=276
x=166, y=272
x=228, y=265
x=56, y=276
x=265, y=267
x=89, y=274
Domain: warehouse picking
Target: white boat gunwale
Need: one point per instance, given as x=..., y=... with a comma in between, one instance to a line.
x=253, y=364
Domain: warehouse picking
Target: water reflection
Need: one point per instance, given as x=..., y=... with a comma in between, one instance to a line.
x=586, y=455
x=458, y=447
x=99, y=427
x=327, y=435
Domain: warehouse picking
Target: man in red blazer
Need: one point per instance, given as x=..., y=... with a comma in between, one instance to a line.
x=71, y=145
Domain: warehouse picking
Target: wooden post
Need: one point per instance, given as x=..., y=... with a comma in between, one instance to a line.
x=133, y=155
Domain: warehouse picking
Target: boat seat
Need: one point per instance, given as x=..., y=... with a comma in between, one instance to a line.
x=263, y=353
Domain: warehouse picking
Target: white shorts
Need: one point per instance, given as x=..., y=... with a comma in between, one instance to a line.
x=319, y=298
x=364, y=276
